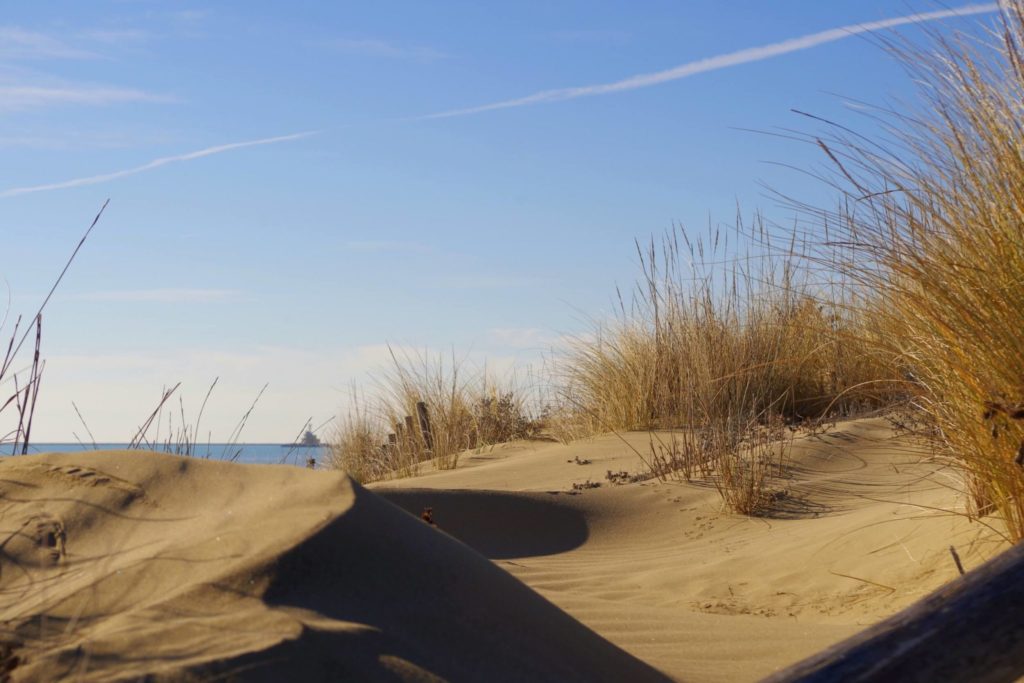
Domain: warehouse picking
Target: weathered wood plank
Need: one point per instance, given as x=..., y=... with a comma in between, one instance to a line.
x=971, y=629
x=424, y=416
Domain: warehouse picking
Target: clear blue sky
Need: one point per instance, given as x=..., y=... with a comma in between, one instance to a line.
x=294, y=262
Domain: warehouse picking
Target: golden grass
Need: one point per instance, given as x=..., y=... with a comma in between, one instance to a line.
x=383, y=438
x=913, y=290
x=936, y=232
x=725, y=348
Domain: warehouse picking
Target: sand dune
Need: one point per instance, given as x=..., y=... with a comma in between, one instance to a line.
x=121, y=565
x=703, y=595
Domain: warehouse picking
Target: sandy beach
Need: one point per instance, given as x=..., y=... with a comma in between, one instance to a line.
x=121, y=565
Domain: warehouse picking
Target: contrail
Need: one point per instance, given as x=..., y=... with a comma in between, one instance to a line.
x=156, y=163
x=751, y=54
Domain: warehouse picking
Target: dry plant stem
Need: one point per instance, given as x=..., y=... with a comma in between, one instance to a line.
x=92, y=439
x=11, y=354
x=237, y=432
x=199, y=417
x=931, y=234
x=25, y=398
x=140, y=435
x=719, y=346
x=427, y=408
x=31, y=391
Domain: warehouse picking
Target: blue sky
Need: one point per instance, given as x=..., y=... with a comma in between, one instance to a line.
x=294, y=262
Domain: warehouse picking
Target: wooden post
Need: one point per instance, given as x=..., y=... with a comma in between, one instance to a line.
x=409, y=425
x=971, y=629
x=392, y=439
x=428, y=437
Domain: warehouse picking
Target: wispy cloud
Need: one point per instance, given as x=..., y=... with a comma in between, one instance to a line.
x=390, y=246
x=156, y=163
x=521, y=337
x=120, y=138
x=369, y=47
x=165, y=296
x=20, y=43
x=745, y=56
x=486, y=282
x=115, y=36
x=18, y=97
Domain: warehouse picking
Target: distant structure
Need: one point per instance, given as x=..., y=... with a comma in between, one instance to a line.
x=309, y=440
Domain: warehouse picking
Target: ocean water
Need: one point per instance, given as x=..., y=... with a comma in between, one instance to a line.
x=253, y=453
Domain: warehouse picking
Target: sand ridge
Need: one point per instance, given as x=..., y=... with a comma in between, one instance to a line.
x=121, y=565
x=661, y=570
x=188, y=569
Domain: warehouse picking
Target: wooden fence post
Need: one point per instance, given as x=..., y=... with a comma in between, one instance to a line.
x=428, y=436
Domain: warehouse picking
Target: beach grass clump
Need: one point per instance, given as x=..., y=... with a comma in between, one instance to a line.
x=725, y=346
x=710, y=335
x=359, y=449
x=427, y=408
x=935, y=219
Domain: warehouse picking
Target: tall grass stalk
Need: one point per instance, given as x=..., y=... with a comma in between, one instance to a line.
x=721, y=344
x=381, y=438
x=935, y=223
x=24, y=395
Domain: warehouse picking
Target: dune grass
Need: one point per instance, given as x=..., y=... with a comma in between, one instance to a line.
x=935, y=221
x=726, y=347
x=382, y=437
x=911, y=292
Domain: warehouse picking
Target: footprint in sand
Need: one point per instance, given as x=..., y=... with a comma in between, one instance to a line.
x=50, y=538
x=83, y=475
x=39, y=541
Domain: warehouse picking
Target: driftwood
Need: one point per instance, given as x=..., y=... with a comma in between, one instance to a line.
x=971, y=629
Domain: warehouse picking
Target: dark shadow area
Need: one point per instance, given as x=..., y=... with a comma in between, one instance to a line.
x=791, y=505
x=496, y=524
x=436, y=604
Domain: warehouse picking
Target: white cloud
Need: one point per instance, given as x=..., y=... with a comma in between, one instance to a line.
x=117, y=138
x=117, y=391
x=167, y=295
x=521, y=337
x=19, y=97
x=486, y=282
x=389, y=246
x=115, y=36
x=745, y=56
x=156, y=163
x=19, y=43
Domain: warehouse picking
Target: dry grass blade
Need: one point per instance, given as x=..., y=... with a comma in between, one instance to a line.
x=933, y=230
x=466, y=410
x=725, y=347
x=25, y=398
x=140, y=435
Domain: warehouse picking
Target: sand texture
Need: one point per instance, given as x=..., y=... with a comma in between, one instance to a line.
x=124, y=565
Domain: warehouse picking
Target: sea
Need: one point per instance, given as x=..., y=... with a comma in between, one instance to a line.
x=252, y=453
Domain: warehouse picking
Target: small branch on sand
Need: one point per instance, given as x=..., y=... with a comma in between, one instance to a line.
x=856, y=578
x=956, y=558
